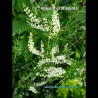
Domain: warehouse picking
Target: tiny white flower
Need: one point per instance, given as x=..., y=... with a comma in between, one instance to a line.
x=55, y=22
x=31, y=15
x=80, y=83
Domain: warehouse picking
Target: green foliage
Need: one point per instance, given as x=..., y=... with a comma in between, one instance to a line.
x=71, y=41
x=19, y=26
x=77, y=55
x=73, y=81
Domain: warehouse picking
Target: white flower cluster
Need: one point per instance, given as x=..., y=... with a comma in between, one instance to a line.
x=31, y=45
x=43, y=61
x=41, y=83
x=61, y=59
x=58, y=59
x=49, y=73
x=32, y=49
x=55, y=22
x=42, y=23
x=54, y=50
x=37, y=23
x=81, y=71
x=42, y=50
x=80, y=83
x=31, y=88
x=55, y=59
x=54, y=72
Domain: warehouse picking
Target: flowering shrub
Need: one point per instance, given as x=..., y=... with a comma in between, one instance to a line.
x=48, y=49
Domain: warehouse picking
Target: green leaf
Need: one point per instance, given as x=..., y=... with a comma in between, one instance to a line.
x=75, y=3
x=84, y=42
x=62, y=93
x=19, y=4
x=19, y=26
x=13, y=3
x=77, y=55
x=83, y=49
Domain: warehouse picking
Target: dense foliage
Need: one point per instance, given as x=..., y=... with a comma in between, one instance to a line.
x=48, y=49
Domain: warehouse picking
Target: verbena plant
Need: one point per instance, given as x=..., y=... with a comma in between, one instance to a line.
x=48, y=48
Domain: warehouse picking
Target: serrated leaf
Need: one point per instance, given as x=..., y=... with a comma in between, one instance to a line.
x=19, y=26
